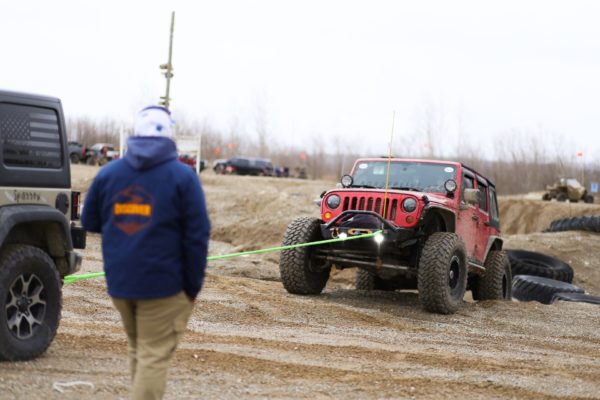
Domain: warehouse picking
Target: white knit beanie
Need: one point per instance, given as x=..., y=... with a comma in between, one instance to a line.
x=154, y=121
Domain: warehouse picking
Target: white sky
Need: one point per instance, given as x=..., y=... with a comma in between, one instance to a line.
x=328, y=69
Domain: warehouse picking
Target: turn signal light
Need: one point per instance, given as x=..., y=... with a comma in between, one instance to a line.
x=327, y=216
x=410, y=219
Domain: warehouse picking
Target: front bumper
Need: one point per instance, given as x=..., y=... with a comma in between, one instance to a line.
x=392, y=234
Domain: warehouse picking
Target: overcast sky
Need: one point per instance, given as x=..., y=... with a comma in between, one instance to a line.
x=328, y=69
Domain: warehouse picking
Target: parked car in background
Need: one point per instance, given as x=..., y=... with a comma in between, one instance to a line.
x=101, y=153
x=77, y=152
x=191, y=161
x=249, y=166
x=219, y=165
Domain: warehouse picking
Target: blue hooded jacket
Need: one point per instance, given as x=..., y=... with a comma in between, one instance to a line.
x=151, y=212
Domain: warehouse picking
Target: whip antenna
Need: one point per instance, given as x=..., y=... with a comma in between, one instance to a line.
x=387, y=176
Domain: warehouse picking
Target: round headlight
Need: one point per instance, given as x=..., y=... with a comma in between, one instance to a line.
x=333, y=201
x=347, y=180
x=450, y=186
x=409, y=205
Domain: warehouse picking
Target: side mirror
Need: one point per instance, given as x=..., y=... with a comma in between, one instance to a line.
x=472, y=196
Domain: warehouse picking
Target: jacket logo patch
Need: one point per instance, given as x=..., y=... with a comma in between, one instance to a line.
x=132, y=209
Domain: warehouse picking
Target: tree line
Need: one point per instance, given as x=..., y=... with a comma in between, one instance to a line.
x=517, y=162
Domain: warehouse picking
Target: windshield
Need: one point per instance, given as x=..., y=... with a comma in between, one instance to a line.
x=421, y=176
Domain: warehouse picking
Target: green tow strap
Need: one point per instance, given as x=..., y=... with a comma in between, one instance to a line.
x=74, y=278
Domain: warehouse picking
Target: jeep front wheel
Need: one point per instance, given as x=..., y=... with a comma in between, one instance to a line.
x=30, y=303
x=496, y=282
x=301, y=272
x=442, y=276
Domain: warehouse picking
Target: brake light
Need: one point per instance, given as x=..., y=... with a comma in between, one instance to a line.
x=75, y=205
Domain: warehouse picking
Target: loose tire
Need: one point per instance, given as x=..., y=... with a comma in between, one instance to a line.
x=525, y=262
x=535, y=288
x=301, y=273
x=442, y=276
x=496, y=282
x=31, y=302
x=367, y=280
x=576, y=297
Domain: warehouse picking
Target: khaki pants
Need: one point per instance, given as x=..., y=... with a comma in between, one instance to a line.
x=153, y=328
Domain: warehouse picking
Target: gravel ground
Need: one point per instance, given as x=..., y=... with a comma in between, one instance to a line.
x=249, y=338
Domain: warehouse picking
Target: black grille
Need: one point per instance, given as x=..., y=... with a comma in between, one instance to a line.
x=30, y=137
x=371, y=203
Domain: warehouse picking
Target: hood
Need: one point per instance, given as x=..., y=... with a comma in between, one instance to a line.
x=145, y=152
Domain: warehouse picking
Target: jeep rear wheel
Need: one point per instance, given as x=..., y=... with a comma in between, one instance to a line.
x=31, y=302
x=442, y=276
x=301, y=272
x=496, y=282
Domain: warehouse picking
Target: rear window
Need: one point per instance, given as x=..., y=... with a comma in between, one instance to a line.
x=30, y=137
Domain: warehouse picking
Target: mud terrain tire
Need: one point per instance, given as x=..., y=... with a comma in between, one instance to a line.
x=30, y=310
x=535, y=288
x=496, y=282
x=585, y=223
x=576, y=297
x=442, y=276
x=300, y=273
x=561, y=197
x=366, y=280
x=588, y=199
x=525, y=262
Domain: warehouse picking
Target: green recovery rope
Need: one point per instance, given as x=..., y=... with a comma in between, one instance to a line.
x=74, y=278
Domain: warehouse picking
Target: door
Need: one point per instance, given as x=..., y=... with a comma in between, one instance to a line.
x=482, y=221
x=466, y=221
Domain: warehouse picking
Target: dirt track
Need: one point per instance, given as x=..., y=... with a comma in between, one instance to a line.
x=248, y=338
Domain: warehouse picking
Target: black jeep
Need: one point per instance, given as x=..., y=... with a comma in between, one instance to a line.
x=37, y=232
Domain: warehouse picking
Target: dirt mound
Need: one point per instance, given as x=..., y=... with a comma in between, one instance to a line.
x=525, y=215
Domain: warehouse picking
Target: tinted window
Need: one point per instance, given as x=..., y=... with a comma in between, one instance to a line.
x=482, y=195
x=494, y=214
x=30, y=137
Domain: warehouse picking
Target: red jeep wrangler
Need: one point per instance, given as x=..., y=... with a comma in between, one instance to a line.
x=440, y=234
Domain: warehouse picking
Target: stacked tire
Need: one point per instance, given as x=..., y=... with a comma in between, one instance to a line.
x=539, y=277
x=584, y=223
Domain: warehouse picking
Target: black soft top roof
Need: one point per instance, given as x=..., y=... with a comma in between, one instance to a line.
x=28, y=96
x=478, y=174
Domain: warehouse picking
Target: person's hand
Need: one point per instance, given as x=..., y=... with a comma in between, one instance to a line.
x=191, y=299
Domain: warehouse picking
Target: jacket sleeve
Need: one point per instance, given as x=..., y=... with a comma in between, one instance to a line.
x=195, y=237
x=90, y=216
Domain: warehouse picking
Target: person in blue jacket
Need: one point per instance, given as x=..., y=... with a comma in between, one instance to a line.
x=151, y=212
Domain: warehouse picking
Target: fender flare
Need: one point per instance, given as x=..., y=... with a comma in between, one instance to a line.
x=13, y=215
x=447, y=215
x=494, y=243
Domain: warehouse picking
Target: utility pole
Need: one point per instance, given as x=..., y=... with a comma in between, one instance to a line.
x=168, y=67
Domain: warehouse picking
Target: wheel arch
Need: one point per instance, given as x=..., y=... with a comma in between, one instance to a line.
x=494, y=243
x=40, y=226
x=447, y=217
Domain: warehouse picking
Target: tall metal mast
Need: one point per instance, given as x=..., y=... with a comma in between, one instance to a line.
x=168, y=67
